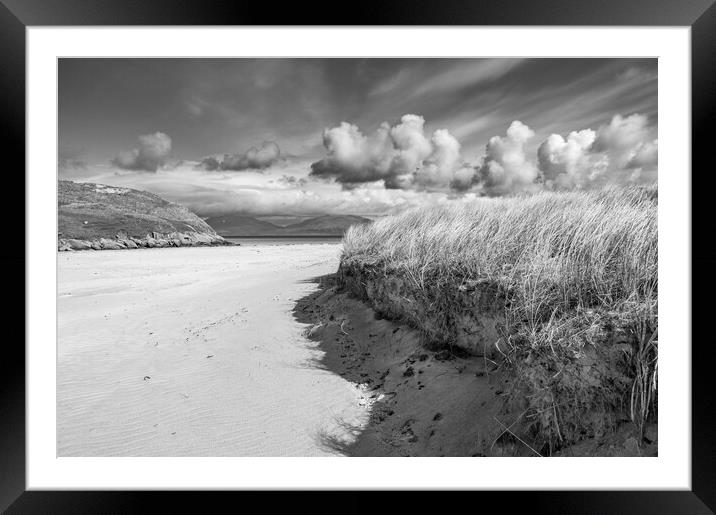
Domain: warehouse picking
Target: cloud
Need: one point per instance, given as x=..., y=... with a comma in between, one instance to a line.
x=645, y=155
x=570, y=162
x=70, y=163
x=210, y=164
x=218, y=194
x=505, y=166
x=402, y=156
x=291, y=180
x=405, y=157
x=466, y=74
x=622, y=138
x=253, y=159
x=621, y=151
x=413, y=82
x=152, y=151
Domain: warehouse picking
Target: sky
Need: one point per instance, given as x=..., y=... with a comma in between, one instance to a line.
x=355, y=136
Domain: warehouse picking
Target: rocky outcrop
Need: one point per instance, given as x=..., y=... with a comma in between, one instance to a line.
x=99, y=217
x=154, y=240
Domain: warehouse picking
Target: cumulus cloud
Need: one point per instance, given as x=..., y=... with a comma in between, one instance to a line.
x=402, y=156
x=645, y=155
x=622, y=137
x=622, y=150
x=505, y=167
x=253, y=159
x=149, y=156
x=405, y=157
x=569, y=162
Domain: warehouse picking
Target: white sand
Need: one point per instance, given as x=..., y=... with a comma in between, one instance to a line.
x=126, y=315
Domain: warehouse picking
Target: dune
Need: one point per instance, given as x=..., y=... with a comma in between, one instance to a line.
x=195, y=352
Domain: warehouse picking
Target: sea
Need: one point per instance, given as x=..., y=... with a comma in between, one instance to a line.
x=264, y=241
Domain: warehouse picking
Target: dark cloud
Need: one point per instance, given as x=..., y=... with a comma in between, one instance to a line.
x=253, y=159
x=151, y=153
x=210, y=164
x=290, y=180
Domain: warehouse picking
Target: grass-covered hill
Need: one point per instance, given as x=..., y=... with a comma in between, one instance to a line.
x=99, y=216
x=561, y=289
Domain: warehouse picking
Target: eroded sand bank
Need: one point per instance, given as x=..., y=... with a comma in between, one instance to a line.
x=195, y=352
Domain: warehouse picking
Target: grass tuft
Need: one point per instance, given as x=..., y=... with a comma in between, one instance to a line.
x=575, y=274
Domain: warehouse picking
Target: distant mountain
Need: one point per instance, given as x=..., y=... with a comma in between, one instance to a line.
x=242, y=225
x=247, y=226
x=333, y=225
x=97, y=216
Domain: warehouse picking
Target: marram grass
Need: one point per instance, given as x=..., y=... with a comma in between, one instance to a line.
x=578, y=272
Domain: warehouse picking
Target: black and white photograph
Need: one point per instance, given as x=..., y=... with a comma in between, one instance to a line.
x=381, y=257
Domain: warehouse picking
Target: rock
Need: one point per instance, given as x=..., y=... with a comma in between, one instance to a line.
x=78, y=244
x=175, y=239
x=110, y=244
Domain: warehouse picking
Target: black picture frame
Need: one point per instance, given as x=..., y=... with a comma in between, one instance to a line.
x=700, y=15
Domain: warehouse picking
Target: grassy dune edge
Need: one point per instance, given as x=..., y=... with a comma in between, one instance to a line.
x=560, y=289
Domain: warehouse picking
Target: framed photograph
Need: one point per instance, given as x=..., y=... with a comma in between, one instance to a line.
x=425, y=251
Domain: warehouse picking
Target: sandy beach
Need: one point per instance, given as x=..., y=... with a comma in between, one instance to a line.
x=196, y=352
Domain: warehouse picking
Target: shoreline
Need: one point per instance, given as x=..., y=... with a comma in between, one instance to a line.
x=427, y=402
x=155, y=240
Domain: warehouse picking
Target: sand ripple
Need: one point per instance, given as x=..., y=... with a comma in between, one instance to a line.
x=194, y=352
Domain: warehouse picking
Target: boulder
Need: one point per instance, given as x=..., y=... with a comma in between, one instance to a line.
x=78, y=244
x=174, y=239
x=110, y=244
